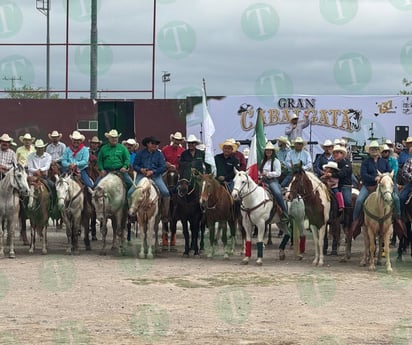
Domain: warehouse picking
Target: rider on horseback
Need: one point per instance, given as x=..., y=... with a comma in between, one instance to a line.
x=55, y=148
x=7, y=155
x=225, y=164
x=193, y=158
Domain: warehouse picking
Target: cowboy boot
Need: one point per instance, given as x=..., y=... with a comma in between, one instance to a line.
x=165, y=240
x=173, y=240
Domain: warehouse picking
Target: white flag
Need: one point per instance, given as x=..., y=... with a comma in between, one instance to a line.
x=209, y=130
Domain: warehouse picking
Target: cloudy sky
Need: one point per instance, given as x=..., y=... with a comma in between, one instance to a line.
x=242, y=47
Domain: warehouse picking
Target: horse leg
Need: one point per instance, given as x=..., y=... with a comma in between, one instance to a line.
x=142, y=239
x=103, y=229
x=150, y=238
x=202, y=234
x=1, y=241
x=10, y=234
x=211, y=227
x=32, y=238
x=247, y=226
x=261, y=232
x=223, y=228
x=322, y=234
x=186, y=237
x=165, y=234
x=372, y=248
x=194, y=229
x=69, y=232
x=43, y=230
x=386, y=241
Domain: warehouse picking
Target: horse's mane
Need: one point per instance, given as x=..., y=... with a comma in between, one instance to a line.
x=316, y=182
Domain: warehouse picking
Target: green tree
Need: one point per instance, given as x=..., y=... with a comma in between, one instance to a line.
x=406, y=83
x=28, y=92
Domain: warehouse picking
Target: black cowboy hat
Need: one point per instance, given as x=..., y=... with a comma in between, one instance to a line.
x=150, y=139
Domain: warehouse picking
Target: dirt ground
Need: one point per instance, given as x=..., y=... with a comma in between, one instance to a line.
x=94, y=299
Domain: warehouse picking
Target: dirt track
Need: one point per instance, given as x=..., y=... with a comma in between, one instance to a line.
x=91, y=299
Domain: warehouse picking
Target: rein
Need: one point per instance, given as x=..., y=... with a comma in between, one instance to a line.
x=68, y=202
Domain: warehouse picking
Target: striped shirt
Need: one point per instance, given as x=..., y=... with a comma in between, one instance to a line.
x=56, y=151
x=8, y=158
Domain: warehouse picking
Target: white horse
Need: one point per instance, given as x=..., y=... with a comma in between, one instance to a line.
x=109, y=201
x=12, y=186
x=257, y=208
x=70, y=200
x=378, y=221
x=145, y=204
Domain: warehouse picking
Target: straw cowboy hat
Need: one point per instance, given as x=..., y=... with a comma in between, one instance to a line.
x=233, y=140
x=284, y=140
x=76, y=135
x=112, y=134
x=150, y=139
x=39, y=144
x=132, y=142
x=177, y=136
x=5, y=137
x=55, y=134
x=27, y=136
x=326, y=143
x=192, y=139
x=227, y=142
x=95, y=139
x=407, y=141
x=294, y=117
x=270, y=146
x=385, y=147
x=389, y=142
x=339, y=141
x=332, y=165
x=373, y=144
x=339, y=148
x=299, y=140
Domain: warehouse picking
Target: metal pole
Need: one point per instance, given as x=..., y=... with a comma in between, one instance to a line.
x=93, y=51
x=48, y=51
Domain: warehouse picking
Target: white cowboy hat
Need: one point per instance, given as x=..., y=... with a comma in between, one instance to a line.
x=5, y=137
x=330, y=164
x=407, y=141
x=192, y=139
x=338, y=141
x=95, y=139
x=327, y=142
x=284, y=140
x=293, y=117
x=112, y=134
x=270, y=146
x=385, y=147
x=388, y=142
x=201, y=147
x=299, y=140
x=177, y=136
x=27, y=136
x=39, y=144
x=228, y=143
x=339, y=148
x=132, y=142
x=55, y=134
x=373, y=144
x=76, y=135
x=233, y=140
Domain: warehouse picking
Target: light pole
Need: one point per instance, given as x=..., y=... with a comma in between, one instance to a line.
x=44, y=7
x=165, y=79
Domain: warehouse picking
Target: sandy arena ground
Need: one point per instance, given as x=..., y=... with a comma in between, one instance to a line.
x=94, y=299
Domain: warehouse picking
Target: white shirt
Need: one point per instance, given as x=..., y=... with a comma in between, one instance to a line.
x=267, y=168
x=34, y=162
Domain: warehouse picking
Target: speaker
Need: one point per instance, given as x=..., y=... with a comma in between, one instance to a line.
x=401, y=133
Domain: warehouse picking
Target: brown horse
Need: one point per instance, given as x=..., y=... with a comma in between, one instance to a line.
x=170, y=178
x=38, y=211
x=218, y=206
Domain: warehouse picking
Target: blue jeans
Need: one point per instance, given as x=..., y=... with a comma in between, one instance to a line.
x=86, y=178
x=286, y=180
x=404, y=195
x=277, y=193
x=347, y=195
x=158, y=180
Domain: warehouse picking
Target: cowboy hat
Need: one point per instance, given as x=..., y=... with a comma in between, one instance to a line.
x=385, y=147
x=269, y=146
x=233, y=140
x=294, y=117
x=76, y=135
x=192, y=139
x=228, y=143
x=373, y=144
x=407, y=141
x=112, y=134
x=201, y=147
x=150, y=139
x=5, y=137
x=326, y=143
x=131, y=142
x=55, y=134
x=339, y=148
x=177, y=136
x=39, y=144
x=388, y=142
x=299, y=140
x=27, y=136
x=284, y=140
x=338, y=141
x=95, y=139
x=332, y=165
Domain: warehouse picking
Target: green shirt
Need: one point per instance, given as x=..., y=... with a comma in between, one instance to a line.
x=113, y=157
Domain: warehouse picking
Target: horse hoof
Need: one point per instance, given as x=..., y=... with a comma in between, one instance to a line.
x=88, y=248
x=226, y=256
x=12, y=255
x=103, y=253
x=150, y=256
x=196, y=256
x=94, y=238
x=244, y=261
x=389, y=270
x=31, y=251
x=320, y=264
x=259, y=263
x=282, y=255
x=142, y=256
x=399, y=259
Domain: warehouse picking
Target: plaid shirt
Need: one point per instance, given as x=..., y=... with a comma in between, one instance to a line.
x=8, y=158
x=56, y=151
x=407, y=170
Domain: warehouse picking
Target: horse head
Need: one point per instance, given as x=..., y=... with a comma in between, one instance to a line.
x=241, y=184
x=207, y=186
x=62, y=190
x=19, y=180
x=385, y=187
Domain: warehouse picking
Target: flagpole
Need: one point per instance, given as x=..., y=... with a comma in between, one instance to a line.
x=201, y=123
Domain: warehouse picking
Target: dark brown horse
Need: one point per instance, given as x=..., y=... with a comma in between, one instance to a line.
x=170, y=178
x=218, y=206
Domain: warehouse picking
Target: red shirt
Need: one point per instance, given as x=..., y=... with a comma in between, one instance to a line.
x=172, y=154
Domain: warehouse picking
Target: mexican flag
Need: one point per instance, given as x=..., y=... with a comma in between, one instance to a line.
x=257, y=146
